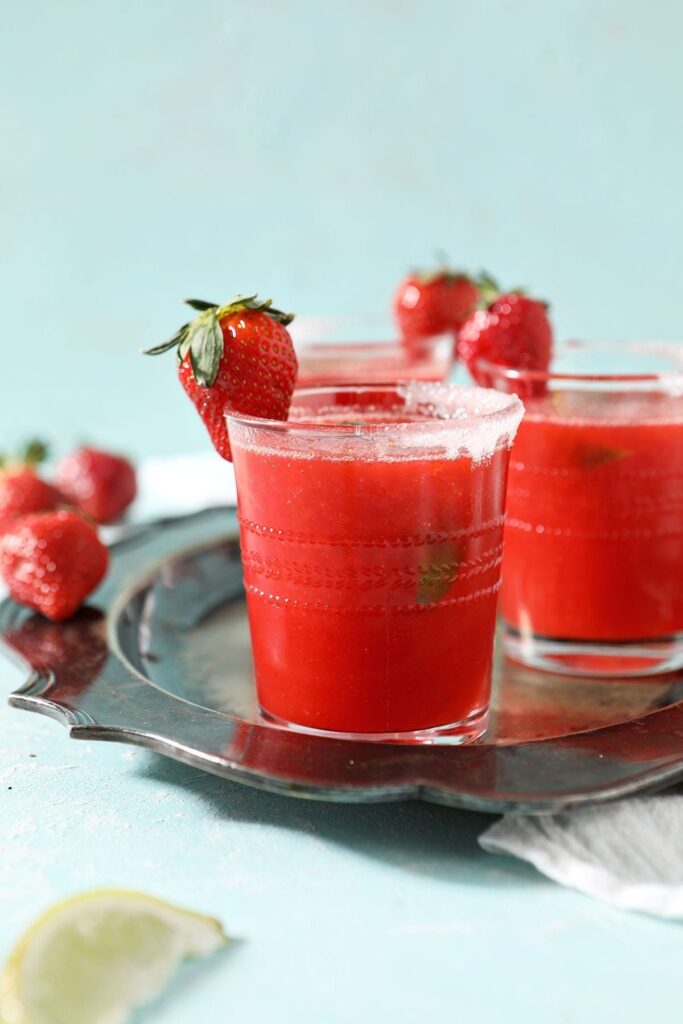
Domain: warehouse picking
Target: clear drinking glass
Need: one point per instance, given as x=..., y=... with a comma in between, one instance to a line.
x=593, y=572
x=371, y=528
x=365, y=350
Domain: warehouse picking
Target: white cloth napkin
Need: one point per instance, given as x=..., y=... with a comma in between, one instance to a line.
x=182, y=484
x=629, y=853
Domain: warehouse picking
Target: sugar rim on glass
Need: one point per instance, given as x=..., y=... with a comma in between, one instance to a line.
x=473, y=419
x=501, y=408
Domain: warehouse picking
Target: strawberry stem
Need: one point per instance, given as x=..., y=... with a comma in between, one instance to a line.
x=489, y=289
x=34, y=452
x=31, y=454
x=202, y=339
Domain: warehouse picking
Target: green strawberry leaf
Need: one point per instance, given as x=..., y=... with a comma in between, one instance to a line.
x=282, y=318
x=31, y=454
x=252, y=302
x=489, y=289
x=165, y=346
x=34, y=452
x=243, y=302
x=205, y=344
x=434, y=580
x=591, y=456
x=184, y=347
x=200, y=304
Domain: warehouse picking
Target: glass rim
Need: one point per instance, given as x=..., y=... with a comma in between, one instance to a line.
x=661, y=348
x=356, y=345
x=352, y=329
x=507, y=406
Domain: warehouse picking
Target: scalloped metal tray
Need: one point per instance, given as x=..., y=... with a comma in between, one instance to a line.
x=161, y=659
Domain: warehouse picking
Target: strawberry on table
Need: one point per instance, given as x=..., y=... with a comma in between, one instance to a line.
x=237, y=357
x=51, y=561
x=514, y=331
x=428, y=304
x=100, y=484
x=22, y=491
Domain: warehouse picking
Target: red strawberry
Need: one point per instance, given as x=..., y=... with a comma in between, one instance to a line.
x=235, y=358
x=428, y=304
x=21, y=490
x=100, y=484
x=514, y=331
x=52, y=561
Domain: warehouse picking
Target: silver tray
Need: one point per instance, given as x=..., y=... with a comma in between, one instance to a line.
x=161, y=659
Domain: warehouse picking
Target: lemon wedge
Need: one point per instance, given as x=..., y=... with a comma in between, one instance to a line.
x=95, y=957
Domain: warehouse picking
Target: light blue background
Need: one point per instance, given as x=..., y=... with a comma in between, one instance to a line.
x=313, y=151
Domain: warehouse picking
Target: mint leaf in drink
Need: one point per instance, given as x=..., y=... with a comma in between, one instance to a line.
x=434, y=579
x=590, y=456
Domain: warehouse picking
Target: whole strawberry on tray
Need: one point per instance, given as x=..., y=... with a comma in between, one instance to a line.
x=237, y=357
x=52, y=561
x=100, y=483
x=22, y=490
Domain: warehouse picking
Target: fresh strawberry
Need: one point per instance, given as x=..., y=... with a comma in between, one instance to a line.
x=429, y=304
x=100, y=484
x=52, y=561
x=21, y=490
x=235, y=358
x=513, y=331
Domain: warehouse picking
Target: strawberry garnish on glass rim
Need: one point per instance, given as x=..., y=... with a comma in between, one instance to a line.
x=237, y=357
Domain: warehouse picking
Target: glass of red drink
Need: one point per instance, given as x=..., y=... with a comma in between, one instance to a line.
x=352, y=350
x=593, y=573
x=371, y=528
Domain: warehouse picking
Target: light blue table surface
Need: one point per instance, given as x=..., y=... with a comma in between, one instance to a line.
x=313, y=151
x=342, y=913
